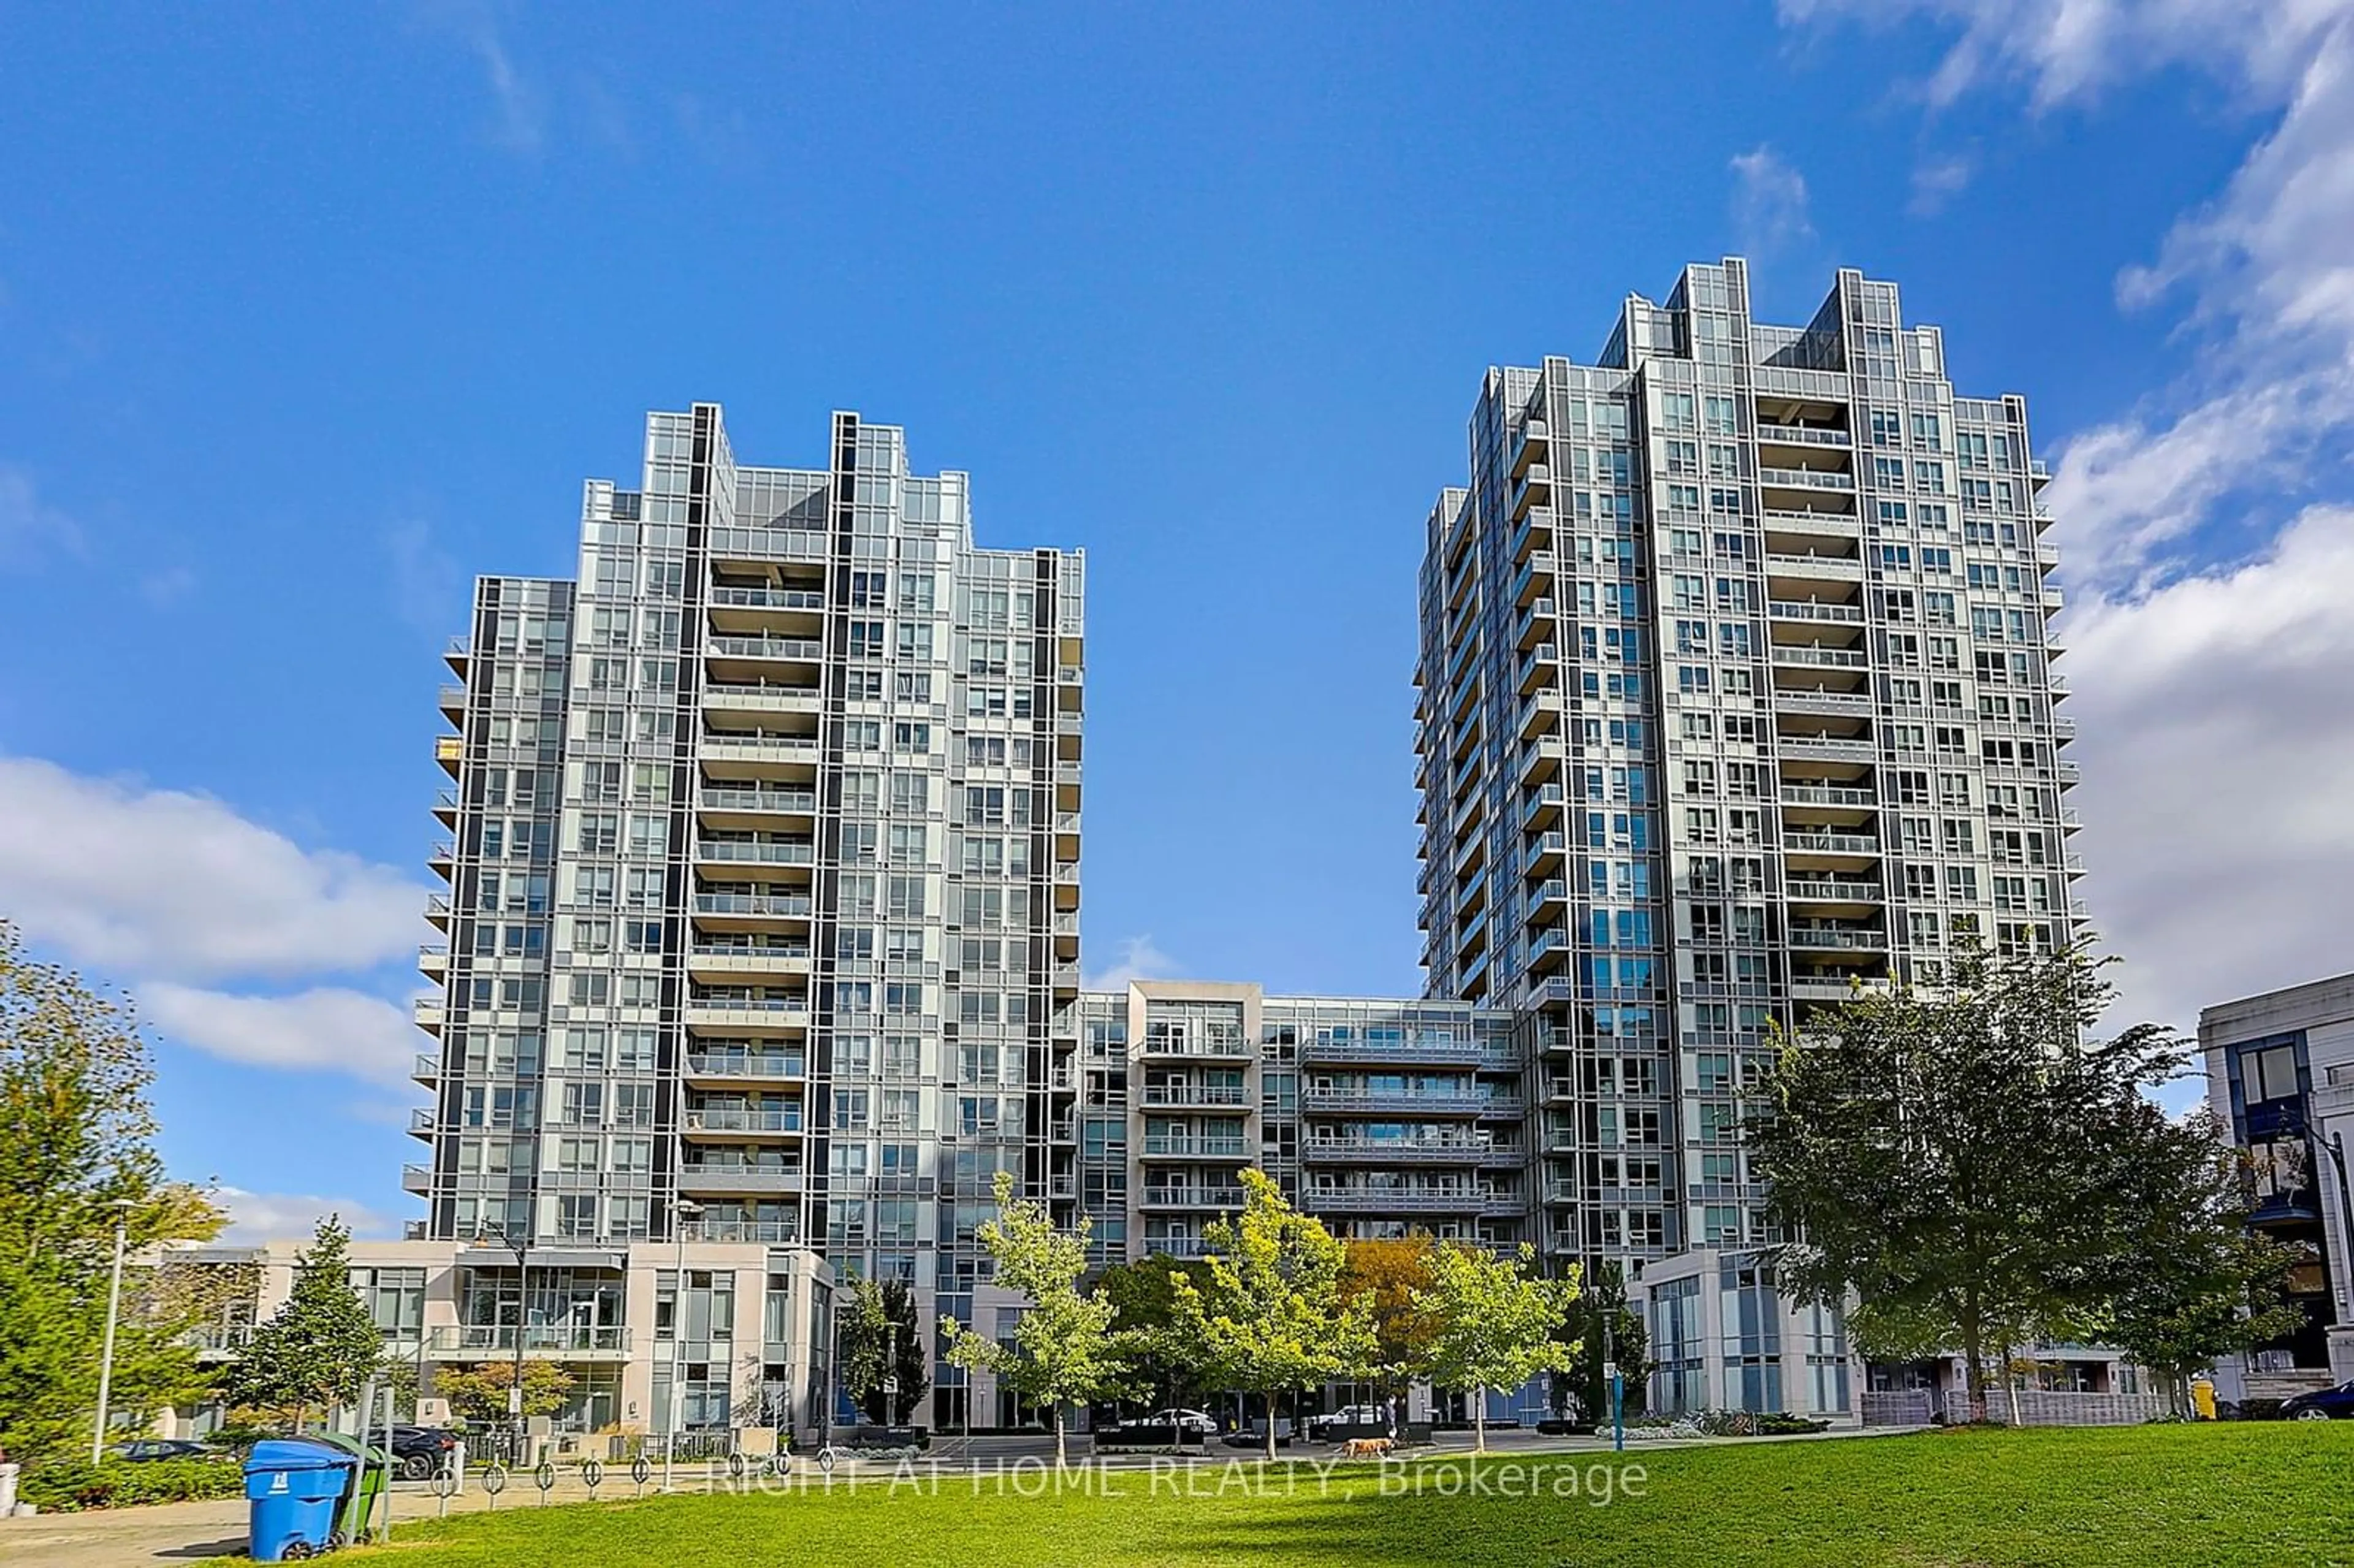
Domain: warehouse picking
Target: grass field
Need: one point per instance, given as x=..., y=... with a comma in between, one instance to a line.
x=2277, y=1495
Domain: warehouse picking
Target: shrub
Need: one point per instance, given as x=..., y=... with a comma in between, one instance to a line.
x=68, y=1488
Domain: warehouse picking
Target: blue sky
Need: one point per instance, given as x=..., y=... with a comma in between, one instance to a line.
x=308, y=316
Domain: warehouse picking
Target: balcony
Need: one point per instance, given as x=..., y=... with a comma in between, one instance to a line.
x=1827, y=569
x=1405, y=1102
x=416, y=1178
x=1403, y=1053
x=1831, y=890
x=1828, y=524
x=745, y=1066
x=710, y=960
x=1813, y=655
x=738, y=1176
x=1229, y=1199
x=1815, y=610
x=1227, y=1046
x=1830, y=479
x=586, y=1341
x=723, y=909
x=1800, y=843
x=428, y=1013
x=1825, y=747
x=445, y=808
x=1546, y=852
x=1837, y=938
x=1392, y=1199
x=453, y=705
x=1177, y=1095
x=1172, y=1146
x=427, y=1068
x=458, y=652
x=423, y=1122
x=749, y=1015
x=721, y=697
x=1396, y=1150
x=756, y=851
x=436, y=909
x=1813, y=436
x=774, y=1233
x=1832, y=797
x=1532, y=447
x=1534, y=487
x=773, y=757
x=744, y=1120
x=433, y=960
x=765, y=650
x=450, y=751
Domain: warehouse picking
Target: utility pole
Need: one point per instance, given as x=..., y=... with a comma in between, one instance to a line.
x=122, y=1207
x=681, y=1212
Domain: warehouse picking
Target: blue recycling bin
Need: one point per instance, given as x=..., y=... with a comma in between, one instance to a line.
x=293, y=1488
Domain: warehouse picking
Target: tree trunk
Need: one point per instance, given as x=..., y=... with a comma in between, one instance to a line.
x=1270, y=1425
x=1973, y=1367
x=1061, y=1459
x=1479, y=1419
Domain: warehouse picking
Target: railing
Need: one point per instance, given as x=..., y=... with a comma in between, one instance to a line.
x=1845, y=747
x=730, y=798
x=220, y=1337
x=782, y=852
x=740, y=1176
x=1814, y=610
x=771, y=1231
x=802, y=648
x=723, y=694
x=727, y=1119
x=1384, y=1199
x=1832, y=888
x=1196, y=1095
x=1804, y=436
x=1823, y=658
x=1838, y=566
x=1828, y=795
x=1404, y=1051
x=749, y=904
x=1842, y=522
x=1805, y=478
x=1831, y=843
x=1418, y=1150
x=1192, y=1197
x=747, y=1065
x=762, y=952
x=1164, y=1144
x=588, y=1338
x=765, y=598
x=705, y=1003
x=1827, y=938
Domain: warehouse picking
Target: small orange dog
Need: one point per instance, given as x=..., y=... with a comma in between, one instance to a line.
x=1366, y=1448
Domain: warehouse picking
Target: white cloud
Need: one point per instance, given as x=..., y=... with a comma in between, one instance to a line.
x=1769, y=202
x=326, y=1029
x=167, y=587
x=294, y=1216
x=428, y=590
x=1139, y=959
x=520, y=122
x=1937, y=181
x=28, y=524
x=2216, y=742
x=161, y=883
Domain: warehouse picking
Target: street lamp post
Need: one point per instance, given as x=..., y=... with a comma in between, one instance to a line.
x=122, y=1207
x=681, y=1213
x=523, y=1310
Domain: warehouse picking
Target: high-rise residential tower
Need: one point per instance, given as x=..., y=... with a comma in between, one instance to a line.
x=763, y=874
x=1734, y=691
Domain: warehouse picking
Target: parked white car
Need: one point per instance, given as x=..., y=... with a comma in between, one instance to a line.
x=1348, y=1415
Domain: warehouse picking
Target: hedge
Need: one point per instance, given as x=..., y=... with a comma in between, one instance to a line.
x=67, y=1487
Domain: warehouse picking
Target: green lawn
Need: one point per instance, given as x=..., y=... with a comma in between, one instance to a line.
x=2278, y=1495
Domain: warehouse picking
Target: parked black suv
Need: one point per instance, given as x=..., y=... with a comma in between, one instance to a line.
x=419, y=1453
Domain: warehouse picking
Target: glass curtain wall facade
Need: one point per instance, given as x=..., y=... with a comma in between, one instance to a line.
x=1734, y=691
x=763, y=871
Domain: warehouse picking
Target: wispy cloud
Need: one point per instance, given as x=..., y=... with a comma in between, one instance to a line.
x=280, y=1216
x=518, y=120
x=30, y=526
x=427, y=585
x=1770, y=207
x=167, y=587
x=1137, y=959
x=1938, y=181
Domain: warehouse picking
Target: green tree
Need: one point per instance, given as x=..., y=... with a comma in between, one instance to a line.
x=479, y=1393
x=321, y=1344
x=1498, y=1321
x=1385, y=1274
x=1946, y=1154
x=1065, y=1350
x=881, y=1344
x=1606, y=1329
x=1166, y=1361
x=1272, y=1316
x=76, y=1140
x=2187, y=1282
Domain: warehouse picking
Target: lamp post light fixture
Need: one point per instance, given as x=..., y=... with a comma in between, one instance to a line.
x=122, y=1207
x=484, y=1236
x=682, y=1212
